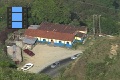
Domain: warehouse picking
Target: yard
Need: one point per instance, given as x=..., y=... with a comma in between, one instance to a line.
x=46, y=55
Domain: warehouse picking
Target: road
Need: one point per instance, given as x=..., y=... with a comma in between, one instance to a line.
x=55, y=71
x=44, y=58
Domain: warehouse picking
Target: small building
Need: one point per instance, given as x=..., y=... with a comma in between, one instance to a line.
x=80, y=31
x=62, y=28
x=33, y=26
x=80, y=37
x=30, y=41
x=15, y=53
x=50, y=37
x=57, y=34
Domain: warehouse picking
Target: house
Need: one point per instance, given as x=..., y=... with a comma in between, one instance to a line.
x=62, y=28
x=59, y=39
x=80, y=32
x=57, y=34
x=15, y=53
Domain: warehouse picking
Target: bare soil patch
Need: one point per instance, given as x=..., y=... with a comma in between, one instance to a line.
x=46, y=55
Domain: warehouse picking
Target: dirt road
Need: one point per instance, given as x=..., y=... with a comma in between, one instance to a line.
x=46, y=55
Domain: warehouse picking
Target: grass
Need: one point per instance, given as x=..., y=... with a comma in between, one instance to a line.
x=95, y=63
x=2, y=25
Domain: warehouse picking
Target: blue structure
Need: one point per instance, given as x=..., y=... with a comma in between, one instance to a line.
x=17, y=9
x=60, y=44
x=16, y=17
x=68, y=45
x=16, y=24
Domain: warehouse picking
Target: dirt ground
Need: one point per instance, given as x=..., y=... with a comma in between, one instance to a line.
x=46, y=55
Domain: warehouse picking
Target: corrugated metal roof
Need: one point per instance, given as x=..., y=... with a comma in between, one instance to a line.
x=60, y=28
x=49, y=34
x=29, y=40
x=33, y=26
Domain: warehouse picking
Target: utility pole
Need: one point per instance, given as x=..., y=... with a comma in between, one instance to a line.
x=99, y=24
x=1, y=18
x=96, y=25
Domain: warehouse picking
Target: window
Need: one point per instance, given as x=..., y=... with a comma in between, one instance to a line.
x=67, y=42
x=59, y=41
x=51, y=40
x=44, y=40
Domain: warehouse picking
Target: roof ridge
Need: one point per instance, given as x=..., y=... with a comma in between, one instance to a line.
x=50, y=34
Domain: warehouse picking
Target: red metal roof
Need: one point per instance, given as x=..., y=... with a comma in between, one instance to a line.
x=60, y=28
x=30, y=53
x=49, y=34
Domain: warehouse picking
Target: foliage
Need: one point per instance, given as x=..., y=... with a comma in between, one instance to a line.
x=49, y=11
x=96, y=71
x=76, y=44
x=109, y=28
x=72, y=12
x=11, y=74
x=95, y=63
x=8, y=70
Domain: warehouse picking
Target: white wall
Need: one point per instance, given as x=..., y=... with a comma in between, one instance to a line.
x=78, y=38
x=54, y=40
x=83, y=32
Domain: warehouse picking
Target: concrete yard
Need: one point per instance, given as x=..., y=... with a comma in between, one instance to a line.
x=46, y=55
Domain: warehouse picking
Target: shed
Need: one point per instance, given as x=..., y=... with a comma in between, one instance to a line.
x=29, y=41
x=33, y=26
x=15, y=53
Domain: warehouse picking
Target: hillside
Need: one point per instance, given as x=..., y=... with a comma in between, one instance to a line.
x=97, y=62
x=100, y=61
x=72, y=12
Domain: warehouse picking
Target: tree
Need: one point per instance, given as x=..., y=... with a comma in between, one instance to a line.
x=75, y=22
x=48, y=11
x=109, y=25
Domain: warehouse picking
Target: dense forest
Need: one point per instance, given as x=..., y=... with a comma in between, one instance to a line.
x=71, y=12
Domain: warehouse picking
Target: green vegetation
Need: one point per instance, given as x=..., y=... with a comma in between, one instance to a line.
x=73, y=12
x=76, y=45
x=95, y=63
x=8, y=70
x=11, y=74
